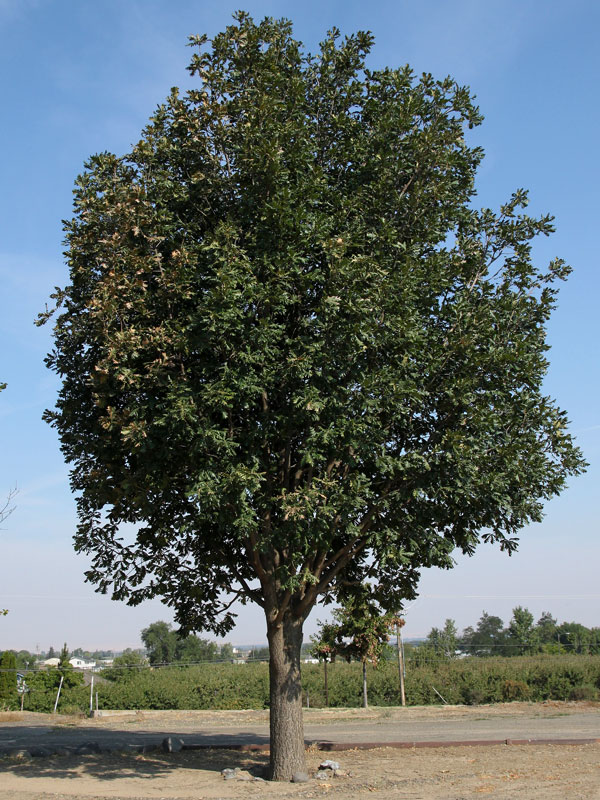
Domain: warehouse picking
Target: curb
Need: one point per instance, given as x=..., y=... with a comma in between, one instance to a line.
x=339, y=746
x=94, y=748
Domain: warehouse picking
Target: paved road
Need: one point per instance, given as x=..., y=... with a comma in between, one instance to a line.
x=400, y=725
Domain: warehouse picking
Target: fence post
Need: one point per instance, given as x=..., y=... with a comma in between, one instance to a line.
x=62, y=677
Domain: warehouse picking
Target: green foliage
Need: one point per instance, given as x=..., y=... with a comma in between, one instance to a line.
x=64, y=665
x=259, y=654
x=166, y=646
x=226, y=652
x=522, y=636
x=583, y=693
x=360, y=630
x=291, y=349
x=43, y=685
x=324, y=644
x=125, y=666
x=8, y=679
x=25, y=659
x=486, y=639
x=444, y=640
x=160, y=642
x=221, y=686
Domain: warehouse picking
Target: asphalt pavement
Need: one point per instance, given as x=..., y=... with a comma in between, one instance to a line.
x=442, y=727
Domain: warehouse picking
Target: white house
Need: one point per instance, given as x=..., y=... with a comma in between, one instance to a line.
x=79, y=663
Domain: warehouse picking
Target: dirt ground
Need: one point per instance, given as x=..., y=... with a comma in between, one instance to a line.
x=445, y=773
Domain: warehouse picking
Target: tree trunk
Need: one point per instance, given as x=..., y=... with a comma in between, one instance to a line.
x=286, y=724
x=365, y=701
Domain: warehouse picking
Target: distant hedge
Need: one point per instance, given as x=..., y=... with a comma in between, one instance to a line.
x=232, y=686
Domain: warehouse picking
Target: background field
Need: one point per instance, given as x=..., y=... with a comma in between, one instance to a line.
x=232, y=686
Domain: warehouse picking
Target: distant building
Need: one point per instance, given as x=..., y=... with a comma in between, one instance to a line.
x=79, y=663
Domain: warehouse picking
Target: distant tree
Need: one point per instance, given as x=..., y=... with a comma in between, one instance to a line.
x=324, y=643
x=323, y=646
x=25, y=659
x=98, y=655
x=51, y=653
x=64, y=657
x=522, y=637
x=8, y=678
x=594, y=645
x=360, y=631
x=545, y=628
x=574, y=637
x=444, y=640
x=160, y=642
x=259, y=654
x=126, y=665
x=193, y=649
x=226, y=652
x=488, y=638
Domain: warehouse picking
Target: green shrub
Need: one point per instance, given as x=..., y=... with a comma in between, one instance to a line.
x=220, y=686
x=583, y=693
x=515, y=690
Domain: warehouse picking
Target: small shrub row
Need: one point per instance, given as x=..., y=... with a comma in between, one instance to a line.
x=230, y=686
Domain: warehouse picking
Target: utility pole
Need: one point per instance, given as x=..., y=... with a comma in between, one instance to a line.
x=399, y=624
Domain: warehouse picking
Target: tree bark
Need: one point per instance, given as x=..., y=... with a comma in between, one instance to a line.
x=286, y=723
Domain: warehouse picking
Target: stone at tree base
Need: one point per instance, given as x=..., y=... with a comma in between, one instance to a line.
x=323, y=775
x=229, y=774
x=300, y=777
x=329, y=764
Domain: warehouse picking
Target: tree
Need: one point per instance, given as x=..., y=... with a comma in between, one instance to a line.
x=444, y=640
x=294, y=357
x=360, y=631
x=522, y=636
x=193, y=649
x=324, y=647
x=546, y=628
x=126, y=665
x=487, y=639
x=226, y=652
x=574, y=637
x=259, y=654
x=160, y=642
x=8, y=678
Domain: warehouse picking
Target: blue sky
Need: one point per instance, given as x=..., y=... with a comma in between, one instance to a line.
x=79, y=77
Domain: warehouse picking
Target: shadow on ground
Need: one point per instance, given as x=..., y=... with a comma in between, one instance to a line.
x=119, y=766
x=118, y=737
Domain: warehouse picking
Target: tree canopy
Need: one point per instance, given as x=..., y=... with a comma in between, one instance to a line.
x=295, y=358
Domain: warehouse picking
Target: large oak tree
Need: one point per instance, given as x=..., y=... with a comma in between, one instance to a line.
x=295, y=359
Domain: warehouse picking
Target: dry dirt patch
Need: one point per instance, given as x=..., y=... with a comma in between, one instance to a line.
x=551, y=772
